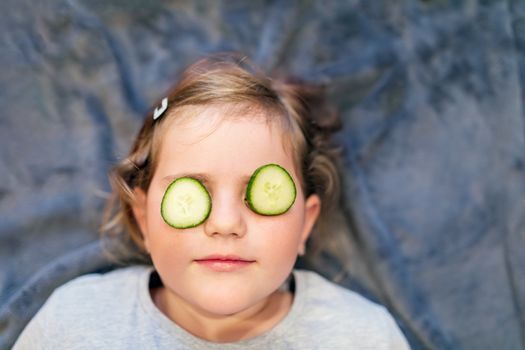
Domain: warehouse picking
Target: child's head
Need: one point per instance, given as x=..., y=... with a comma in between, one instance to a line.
x=223, y=121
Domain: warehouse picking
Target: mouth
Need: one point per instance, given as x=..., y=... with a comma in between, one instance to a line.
x=224, y=263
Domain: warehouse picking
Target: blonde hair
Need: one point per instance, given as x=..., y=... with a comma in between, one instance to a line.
x=230, y=80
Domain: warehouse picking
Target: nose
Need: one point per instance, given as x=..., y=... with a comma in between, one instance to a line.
x=226, y=217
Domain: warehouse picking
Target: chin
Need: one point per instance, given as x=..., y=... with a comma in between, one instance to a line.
x=226, y=304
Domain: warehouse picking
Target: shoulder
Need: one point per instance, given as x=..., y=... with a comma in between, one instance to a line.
x=101, y=284
x=94, y=294
x=323, y=292
x=348, y=315
x=79, y=309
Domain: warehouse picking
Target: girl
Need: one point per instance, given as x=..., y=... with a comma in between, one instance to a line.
x=222, y=188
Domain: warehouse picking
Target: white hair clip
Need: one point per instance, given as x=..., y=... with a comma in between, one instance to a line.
x=161, y=109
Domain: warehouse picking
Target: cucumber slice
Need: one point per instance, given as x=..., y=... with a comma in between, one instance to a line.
x=271, y=190
x=186, y=203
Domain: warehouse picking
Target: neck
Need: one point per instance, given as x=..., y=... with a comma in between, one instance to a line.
x=246, y=324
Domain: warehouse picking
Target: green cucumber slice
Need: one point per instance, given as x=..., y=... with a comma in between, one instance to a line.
x=271, y=190
x=186, y=203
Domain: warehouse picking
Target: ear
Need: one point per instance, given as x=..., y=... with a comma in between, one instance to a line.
x=312, y=208
x=139, y=206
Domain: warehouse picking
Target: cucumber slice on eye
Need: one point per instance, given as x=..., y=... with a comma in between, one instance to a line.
x=186, y=203
x=271, y=190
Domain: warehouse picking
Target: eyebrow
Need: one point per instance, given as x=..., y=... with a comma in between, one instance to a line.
x=204, y=178
x=198, y=176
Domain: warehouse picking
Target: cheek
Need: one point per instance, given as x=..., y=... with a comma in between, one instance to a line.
x=172, y=252
x=280, y=237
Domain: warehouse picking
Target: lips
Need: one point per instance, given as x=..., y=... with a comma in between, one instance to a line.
x=224, y=263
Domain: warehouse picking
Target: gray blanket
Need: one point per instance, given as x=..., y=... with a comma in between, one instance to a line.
x=431, y=93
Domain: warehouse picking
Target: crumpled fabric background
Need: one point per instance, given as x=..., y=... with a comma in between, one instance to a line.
x=431, y=93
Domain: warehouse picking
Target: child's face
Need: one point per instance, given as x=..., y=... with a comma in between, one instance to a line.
x=225, y=154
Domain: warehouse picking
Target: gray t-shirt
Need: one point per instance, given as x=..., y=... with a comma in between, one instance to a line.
x=115, y=311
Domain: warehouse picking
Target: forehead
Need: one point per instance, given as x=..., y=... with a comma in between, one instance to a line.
x=222, y=140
